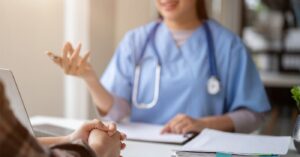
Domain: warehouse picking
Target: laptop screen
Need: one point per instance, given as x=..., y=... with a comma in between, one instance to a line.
x=14, y=97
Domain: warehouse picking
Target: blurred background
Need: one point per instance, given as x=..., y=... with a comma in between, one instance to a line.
x=269, y=28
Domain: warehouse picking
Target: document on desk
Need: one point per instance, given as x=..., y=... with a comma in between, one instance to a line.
x=149, y=133
x=232, y=143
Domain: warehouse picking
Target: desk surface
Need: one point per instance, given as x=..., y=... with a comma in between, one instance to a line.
x=134, y=148
x=138, y=149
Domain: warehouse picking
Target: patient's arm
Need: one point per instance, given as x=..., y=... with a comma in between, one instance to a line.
x=103, y=143
x=15, y=140
x=52, y=140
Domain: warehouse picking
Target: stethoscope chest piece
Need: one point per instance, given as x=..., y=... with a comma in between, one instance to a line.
x=213, y=85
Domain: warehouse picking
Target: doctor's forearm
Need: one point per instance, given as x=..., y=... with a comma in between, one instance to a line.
x=223, y=123
x=101, y=97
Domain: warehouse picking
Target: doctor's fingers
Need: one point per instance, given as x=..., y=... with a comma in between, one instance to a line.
x=68, y=47
x=178, y=128
x=85, y=58
x=74, y=60
x=68, y=54
x=83, y=65
x=166, y=129
x=179, y=118
x=65, y=61
x=56, y=59
x=179, y=122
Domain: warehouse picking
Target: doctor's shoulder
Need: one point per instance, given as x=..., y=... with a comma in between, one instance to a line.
x=225, y=39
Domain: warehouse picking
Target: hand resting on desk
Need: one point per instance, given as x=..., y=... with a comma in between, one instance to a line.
x=182, y=124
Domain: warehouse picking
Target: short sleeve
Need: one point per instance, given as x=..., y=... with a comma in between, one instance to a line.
x=244, y=88
x=118, y=75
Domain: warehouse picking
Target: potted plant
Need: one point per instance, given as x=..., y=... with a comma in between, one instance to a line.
x=296, y=133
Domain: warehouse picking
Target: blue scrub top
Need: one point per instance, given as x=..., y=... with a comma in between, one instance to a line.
x=184, y=76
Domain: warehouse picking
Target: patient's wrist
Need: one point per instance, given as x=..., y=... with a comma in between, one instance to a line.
x=67, y=139
x=54, y=140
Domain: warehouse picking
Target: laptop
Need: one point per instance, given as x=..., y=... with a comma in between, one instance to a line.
x=18, y=108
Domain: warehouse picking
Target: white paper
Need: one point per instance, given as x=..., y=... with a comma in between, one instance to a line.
x=149, y=132
x=233, y=143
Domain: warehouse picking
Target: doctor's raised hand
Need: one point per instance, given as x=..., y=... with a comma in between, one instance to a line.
x=71, y=61
x=73, y=64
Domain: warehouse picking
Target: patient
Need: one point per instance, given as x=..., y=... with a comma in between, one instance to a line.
x=93, y=138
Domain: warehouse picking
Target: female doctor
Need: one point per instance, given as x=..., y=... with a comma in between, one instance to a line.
x=184, y=71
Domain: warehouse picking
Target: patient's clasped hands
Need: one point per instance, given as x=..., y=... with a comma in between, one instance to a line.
x=103, y=138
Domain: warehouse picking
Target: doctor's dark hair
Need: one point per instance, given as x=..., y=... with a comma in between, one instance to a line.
x=200, y=10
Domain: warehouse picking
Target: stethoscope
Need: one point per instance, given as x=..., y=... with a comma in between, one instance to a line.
x=213, y=83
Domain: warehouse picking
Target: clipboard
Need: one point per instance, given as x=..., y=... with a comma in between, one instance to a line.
x=152, y=133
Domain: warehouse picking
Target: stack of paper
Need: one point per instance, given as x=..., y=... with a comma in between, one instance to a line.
x=210, y=142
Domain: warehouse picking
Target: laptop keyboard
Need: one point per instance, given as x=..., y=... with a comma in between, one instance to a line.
x=49, y=130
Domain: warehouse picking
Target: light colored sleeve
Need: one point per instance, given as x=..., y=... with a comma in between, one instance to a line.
x=117, y=79
x=120, y=110
x=246, y=121
x=118, y=76
x=244, y=88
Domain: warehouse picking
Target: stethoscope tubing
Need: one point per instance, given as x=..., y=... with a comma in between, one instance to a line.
x=150, y=39
x=211, y=53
